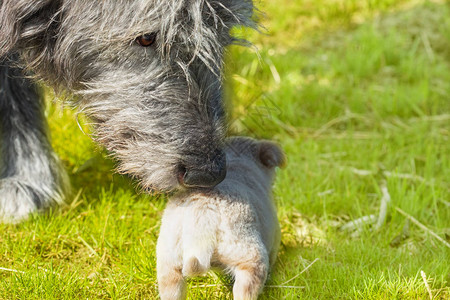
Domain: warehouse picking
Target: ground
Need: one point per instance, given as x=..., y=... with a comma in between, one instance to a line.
x=357, y=93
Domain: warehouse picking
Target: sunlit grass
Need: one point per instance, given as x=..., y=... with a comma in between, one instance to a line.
x=357, y=93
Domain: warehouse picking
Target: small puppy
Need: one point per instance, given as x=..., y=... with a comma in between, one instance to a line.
x=232, y=226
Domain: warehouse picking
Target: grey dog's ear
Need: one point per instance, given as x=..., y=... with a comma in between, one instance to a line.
x=27, y=24
x=271, y=155
x=240, y=12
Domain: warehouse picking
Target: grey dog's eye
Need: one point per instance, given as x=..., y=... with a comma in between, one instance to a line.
x=146, y=40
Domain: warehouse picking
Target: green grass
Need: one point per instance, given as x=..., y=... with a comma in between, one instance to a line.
x=346, y=87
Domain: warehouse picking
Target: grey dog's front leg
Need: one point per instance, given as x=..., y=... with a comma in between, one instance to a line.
x=31, y=177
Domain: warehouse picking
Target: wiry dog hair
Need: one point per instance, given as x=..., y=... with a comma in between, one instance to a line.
x=158, y=109
x=44, y=31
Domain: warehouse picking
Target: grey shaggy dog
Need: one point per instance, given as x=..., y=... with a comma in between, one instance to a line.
x=148, y=73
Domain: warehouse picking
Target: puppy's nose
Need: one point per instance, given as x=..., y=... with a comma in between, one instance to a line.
x=213, y=174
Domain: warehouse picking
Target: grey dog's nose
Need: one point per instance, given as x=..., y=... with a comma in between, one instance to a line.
x=205, y=177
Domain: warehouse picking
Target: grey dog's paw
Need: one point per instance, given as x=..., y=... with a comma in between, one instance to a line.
x=19, y=199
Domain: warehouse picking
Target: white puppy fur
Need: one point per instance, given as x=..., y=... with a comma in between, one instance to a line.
x=233, y=226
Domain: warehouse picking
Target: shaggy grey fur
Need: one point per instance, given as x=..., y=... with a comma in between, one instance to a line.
x=31, y=176
x=158, y=110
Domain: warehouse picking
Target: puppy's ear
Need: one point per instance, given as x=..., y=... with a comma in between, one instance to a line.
x=27, y=24
x=271, y=155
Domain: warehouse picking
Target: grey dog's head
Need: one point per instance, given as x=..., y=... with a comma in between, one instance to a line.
x=148, y=73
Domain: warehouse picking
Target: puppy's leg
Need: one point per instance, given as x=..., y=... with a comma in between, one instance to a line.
x=250, y=265
x=31, y=177
x=171, y=283
x=168, y=256
x=249, y=280
x=276, y=244
x=170, y=278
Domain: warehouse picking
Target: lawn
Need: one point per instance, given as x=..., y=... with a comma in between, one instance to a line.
x=357, y=93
